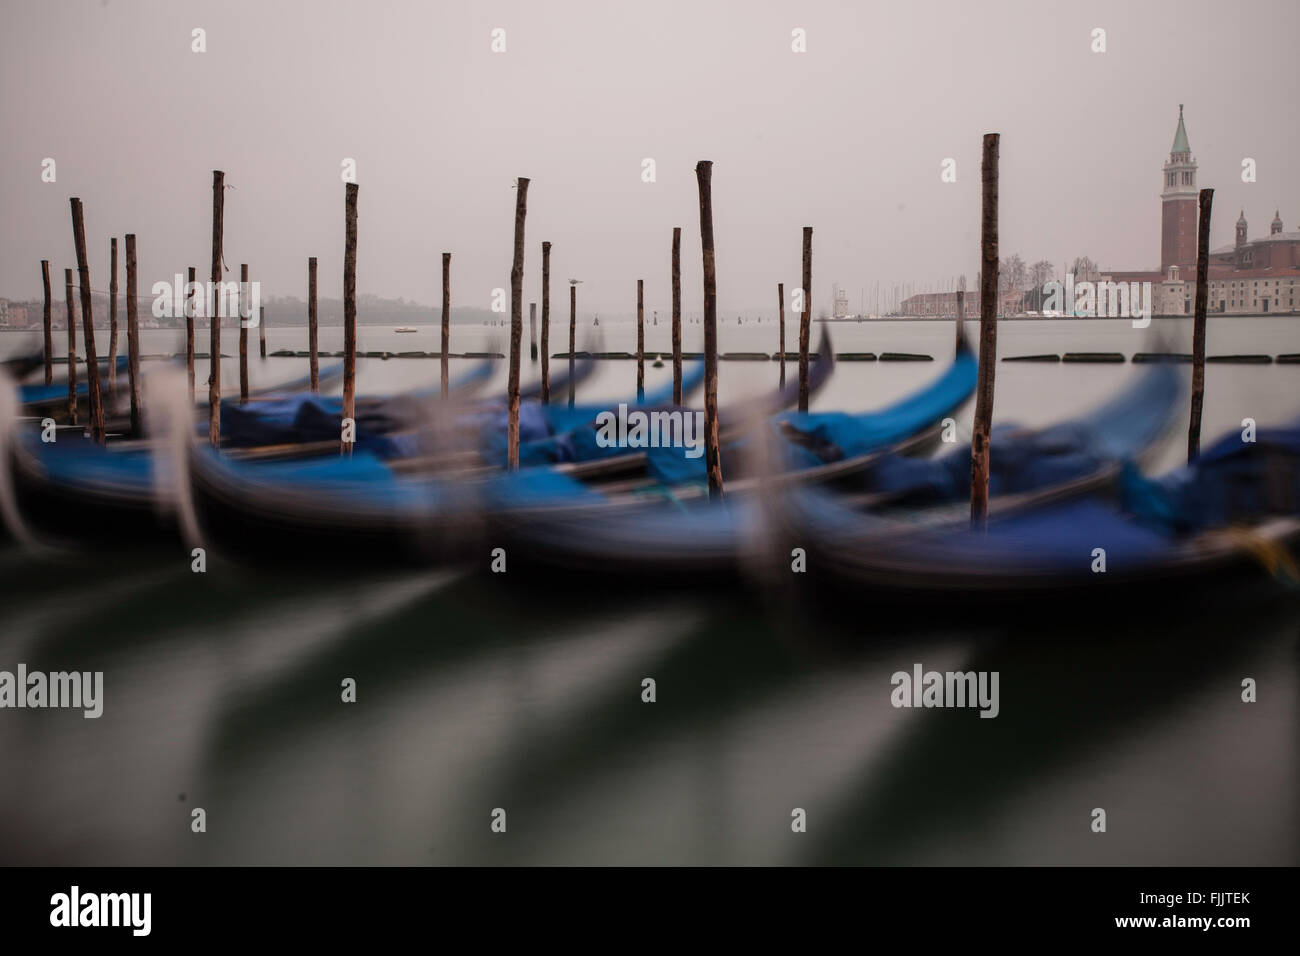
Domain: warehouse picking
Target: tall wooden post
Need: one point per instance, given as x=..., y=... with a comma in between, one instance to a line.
x=191, y=309
x=261, y=330
x=133, y=339
x=47, y=318
x=446, y=319
x=72, y=346
x=961, y=313
x=313, y=356
x=546, y=322
x=1205, y=204
x=573, y=336
x=112, y=317
x=983, y=424
x=640, y=340
x=214, y=341
x=712, y=454
x=780, y=306
x=245, y=304
x=805, y=319
x=677, y=315
x=516, y=324
x=88, y=324
x=532, y=331
x=349, y=312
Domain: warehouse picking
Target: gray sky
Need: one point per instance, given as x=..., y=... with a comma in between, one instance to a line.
x=848, y=137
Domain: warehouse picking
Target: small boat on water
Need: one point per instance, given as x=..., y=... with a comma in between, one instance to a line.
x=674, y=537
x=35, y=398
x=386, y=425
x=1124, y=544
x=388, y=515
x=406, y=328
x=73, y=489
x=1071, y=513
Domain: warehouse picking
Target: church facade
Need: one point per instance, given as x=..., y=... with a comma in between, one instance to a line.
x=1251, y=277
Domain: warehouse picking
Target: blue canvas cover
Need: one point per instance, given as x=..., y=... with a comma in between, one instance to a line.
x=1028, y=459
x=556, y=434
x=815, y=438
x=44, y=394
x=1232, y=480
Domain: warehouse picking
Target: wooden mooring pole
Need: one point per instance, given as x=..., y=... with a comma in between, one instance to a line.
x=72, y=346
x=191, y=309
x=261, y=330
x=780, y=306
x=133, y=339
x=546, y=322
x=712, y=454
x=516, y=324
x=961, y=313
x=47, y=319
x=805, y=319
x=446, y=319
x=349, y=316
x=640, y=341
x=214, y=313
x=245, y=305
x=573, y=336
x=112, y=318
x=677, y=315
x=88, y=323
x=532, y=331
x=1205, y=203
x=313, y=342
x=983, y=424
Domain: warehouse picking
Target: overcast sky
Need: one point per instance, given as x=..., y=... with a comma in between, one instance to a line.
x=848, y=137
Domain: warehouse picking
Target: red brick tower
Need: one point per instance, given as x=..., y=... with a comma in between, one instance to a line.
x=1178, y=205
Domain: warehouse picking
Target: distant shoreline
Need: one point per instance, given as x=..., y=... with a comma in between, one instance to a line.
x=948, y=319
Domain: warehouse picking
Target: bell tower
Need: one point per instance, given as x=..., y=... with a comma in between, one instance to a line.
x=1178, y=203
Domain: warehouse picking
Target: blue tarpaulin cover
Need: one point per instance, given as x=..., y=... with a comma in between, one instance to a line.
x=823, y=437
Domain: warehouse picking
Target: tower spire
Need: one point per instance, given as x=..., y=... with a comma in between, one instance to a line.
x=1178, y=203
x=1180, y=136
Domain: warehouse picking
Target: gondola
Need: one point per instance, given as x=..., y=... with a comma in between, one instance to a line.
x=672, y=535
x=570, y=443
x=387, y=425
x=34, y=399
x=73, y=489
x=301, y=510
x=668, y=530
x=295, y=423
x=1119, y=544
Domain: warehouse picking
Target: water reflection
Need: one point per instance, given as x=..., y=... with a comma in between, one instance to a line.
x=223, y=691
